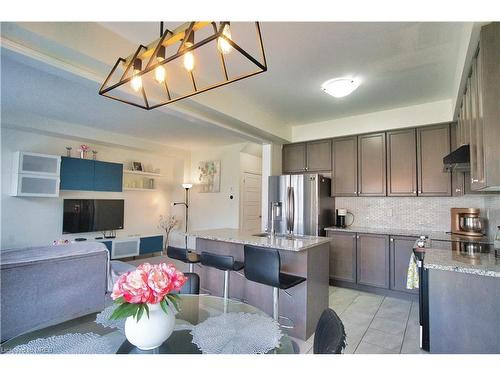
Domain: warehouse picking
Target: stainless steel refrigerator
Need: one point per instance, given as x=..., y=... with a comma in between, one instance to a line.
x=303, y=205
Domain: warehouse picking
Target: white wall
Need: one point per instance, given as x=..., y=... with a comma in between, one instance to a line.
x=417, y=115
x=29, y=221
x=218, y=210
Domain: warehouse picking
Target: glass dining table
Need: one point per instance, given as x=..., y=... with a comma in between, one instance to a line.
x=105, y=336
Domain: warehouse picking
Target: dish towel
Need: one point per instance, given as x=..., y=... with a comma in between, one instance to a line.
x=412, y=278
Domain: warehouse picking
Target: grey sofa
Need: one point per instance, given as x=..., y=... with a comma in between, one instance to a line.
x=42, y=286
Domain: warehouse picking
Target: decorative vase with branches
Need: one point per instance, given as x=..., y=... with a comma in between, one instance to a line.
x=167, y=223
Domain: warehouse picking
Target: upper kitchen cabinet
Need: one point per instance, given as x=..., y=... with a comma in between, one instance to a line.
x=402, y=163
x=485, y=96
x=345, y=167
x=294, y=158
x=371, y=165
x=319, y=156
x=315, y=156
x=433, y=143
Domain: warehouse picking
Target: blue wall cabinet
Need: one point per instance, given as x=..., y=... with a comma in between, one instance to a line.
x=108, y=176
x=77, y=174
x=90, y=175
x=151, y=244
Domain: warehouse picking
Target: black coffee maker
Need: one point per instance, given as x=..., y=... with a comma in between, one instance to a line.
x=340, y=218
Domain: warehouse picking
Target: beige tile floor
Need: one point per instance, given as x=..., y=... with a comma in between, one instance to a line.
x=374, y=324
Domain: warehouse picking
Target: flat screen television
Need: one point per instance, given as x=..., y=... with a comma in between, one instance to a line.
x=92, y=215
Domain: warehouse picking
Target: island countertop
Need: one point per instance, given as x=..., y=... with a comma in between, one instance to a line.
x=280, y=242
x=440, y=256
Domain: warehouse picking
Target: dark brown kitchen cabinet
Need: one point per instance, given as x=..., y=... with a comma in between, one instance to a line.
x=371, y=165
x=315, y=156
x=372, y=257
x=294, y=158
x=345, y=167
x=342, y=256
x=433, y=143
x=402, y=163
x=319, y=156
x=401, y=249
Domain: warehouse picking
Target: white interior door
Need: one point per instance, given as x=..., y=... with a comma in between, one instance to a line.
x=251, y=202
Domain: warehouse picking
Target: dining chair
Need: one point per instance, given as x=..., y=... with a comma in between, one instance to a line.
x=330, y=337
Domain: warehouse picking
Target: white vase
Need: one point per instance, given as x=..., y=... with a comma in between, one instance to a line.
x=150, y=333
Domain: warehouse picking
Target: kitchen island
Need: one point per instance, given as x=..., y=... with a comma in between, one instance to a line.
x=463, y=297
x=304, y=256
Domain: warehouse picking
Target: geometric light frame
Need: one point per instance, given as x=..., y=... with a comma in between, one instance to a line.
x=182, y=33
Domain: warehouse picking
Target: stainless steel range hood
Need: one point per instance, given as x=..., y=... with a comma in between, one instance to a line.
x=458, y=160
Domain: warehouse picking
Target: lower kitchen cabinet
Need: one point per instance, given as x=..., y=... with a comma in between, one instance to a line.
x=343, y=256
x=401, y=249
x=372, y=253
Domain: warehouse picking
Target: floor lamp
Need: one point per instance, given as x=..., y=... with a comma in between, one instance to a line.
x=186, y=187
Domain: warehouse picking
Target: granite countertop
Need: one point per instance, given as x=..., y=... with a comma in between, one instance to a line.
x=298, y=243
x=440, y=256
x=433, y=235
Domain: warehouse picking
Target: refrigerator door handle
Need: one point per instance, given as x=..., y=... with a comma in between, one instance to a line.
x=288, y=208
x=292, y=209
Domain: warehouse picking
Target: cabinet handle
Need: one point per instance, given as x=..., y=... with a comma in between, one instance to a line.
x=392, y=239
x=414, y=192
x=353, y=236
x=474, y=180
x=420, y=191
x=458, y=190
x=357, y=237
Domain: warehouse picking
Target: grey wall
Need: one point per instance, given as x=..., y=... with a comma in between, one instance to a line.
x=420, y=212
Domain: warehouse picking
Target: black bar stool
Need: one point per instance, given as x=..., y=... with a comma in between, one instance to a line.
x=224, y=263
x=263, y=265
x=184, y=256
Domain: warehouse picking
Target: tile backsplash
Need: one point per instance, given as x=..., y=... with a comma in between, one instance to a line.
x=428, y=213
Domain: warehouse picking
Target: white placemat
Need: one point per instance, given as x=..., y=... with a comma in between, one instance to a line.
x=70, y=343
x=237, y=333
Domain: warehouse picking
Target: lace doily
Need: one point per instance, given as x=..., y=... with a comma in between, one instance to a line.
x=70, y=343
x=237, y=333
x=103, y=319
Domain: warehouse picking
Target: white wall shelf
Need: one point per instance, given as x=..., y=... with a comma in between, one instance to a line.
x=141, y=173
x=138, y=189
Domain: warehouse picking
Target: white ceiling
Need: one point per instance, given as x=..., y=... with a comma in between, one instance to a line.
x=76, y=101
x=401, y=64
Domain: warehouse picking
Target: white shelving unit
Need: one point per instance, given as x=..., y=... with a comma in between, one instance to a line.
x=141, y=173
x=35, y=175
x=139, y=180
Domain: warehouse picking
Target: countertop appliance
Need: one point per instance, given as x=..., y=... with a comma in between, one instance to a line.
x=340, y=218
x=300, y=204
x=467, y=222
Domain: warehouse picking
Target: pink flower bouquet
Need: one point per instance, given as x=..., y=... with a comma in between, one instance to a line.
x=147, y=284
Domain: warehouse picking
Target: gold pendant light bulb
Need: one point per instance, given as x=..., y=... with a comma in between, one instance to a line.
x=222, y=44
x=189, y=59
x=136, y=82
x=160, y=73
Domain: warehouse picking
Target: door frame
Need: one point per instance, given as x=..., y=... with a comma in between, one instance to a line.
x=241, y=192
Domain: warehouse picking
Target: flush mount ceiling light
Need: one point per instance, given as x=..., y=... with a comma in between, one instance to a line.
x=340, y=87
x=193, y=58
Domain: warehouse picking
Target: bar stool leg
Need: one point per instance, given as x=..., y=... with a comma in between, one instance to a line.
x=191, y=267
x=276, y=300
x=226, y=285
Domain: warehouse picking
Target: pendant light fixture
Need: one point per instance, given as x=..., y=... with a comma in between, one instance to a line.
x=171, y=68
